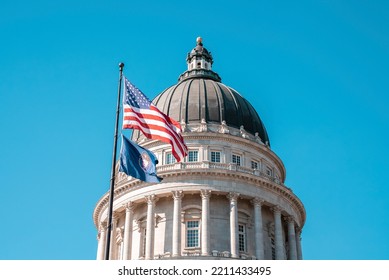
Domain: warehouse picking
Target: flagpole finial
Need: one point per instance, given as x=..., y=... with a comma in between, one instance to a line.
x=121, y=65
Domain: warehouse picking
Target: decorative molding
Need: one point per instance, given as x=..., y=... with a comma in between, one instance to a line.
x=151, y=199
x=233, y=196
x=289, y=219
x=177, y=195
x=212, y=173
x=256, y=201
x=276, y=209
x=129, y=207
x=205, y=194
x=103, y=226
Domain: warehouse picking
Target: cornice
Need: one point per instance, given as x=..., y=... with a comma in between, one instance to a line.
x=124, y=186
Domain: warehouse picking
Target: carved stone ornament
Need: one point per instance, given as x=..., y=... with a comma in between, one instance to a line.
x=224, y=128
x=257, y=138
x=257, y=201
x=183, y=125
x=177, y=195
x=203, y=126
x=205, y=194
x=233, y=196
x=243, y=132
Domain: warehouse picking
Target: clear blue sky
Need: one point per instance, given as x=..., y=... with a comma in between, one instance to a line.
x=316, y=71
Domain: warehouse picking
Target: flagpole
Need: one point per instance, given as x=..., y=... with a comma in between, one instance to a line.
x=115, y=141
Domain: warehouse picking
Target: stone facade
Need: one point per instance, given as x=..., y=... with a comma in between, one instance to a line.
x=227, y=199
x=219, y=195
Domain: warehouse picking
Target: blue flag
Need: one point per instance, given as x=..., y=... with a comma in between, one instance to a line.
x=138, y=162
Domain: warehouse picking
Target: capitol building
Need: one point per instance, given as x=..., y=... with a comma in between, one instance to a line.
x=225, y=200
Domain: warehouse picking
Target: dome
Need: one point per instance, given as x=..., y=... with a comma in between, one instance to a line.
x=197, y=99
x=230, y=178
x=200, y=97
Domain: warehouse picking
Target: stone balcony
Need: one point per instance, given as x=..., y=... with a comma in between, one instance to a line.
x=215, y=255
x=214, y=165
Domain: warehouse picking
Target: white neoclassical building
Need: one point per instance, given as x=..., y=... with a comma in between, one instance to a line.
x=227, y=199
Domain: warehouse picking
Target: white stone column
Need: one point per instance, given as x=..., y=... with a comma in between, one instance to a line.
x=112, y=253
x=176, y=242
x=292, y=239
x=279, y=240
x=205, y=154
x=298, y=245
x=233, y=197
x=205, y=233
x=102, y=240
x=150, y=199
x=127, y=240
x=258, y=227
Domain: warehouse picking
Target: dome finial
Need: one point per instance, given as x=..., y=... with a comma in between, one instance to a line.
x=199, y=41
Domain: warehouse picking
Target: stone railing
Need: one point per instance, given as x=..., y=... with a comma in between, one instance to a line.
x=120, y=176
x=197, y=253
x=215, y=165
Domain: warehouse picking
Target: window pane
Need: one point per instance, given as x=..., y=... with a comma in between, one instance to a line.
x=192, y=224
x=242, y=238
x=254, y=164
x=236, y=159
x=170, y=158
x=193, y=156
x=192, y=238
x=215, y=156
x=192, y=233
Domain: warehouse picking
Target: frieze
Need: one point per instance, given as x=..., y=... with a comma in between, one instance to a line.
x=264, y=182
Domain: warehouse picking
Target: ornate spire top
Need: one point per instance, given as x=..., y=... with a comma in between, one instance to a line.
x=199, y=62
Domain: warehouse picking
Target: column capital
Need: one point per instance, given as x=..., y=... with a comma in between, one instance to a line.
x=177, y=194
x=151, y=199
x=276, y=209
x=233, y=196
x=256, y=201
x=103, y=226
x=205, y=194
x=129, y=206
x=289, y=219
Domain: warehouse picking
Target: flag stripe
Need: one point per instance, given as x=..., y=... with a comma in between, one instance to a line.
x=150, y=116
x=130, y=113
x=178, y=155
x=153, y=127
x=140, y=113
x=154, y=112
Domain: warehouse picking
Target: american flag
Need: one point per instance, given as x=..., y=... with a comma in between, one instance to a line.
x=140, y=113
